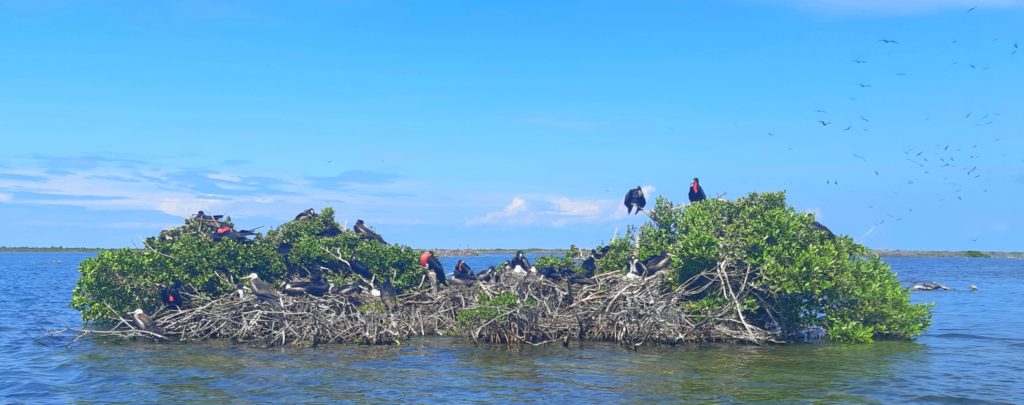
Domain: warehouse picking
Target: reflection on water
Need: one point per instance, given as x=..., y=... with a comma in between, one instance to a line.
x=970, y=354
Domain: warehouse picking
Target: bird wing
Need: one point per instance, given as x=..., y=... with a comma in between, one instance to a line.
x=435, y=264
x=361, y=269
x=438, y=269
x=641, y=268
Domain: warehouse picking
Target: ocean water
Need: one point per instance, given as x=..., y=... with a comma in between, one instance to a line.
x=973, y=353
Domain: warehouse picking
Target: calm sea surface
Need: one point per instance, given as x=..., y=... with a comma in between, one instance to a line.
x=973, y=353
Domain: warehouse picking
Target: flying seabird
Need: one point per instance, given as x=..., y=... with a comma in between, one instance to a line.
x=887, y=41
x=366, y=233
x=635, y=200
x=824, y=123
x=696, y=191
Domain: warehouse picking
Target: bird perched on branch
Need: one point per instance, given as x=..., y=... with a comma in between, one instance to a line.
x=520, y=261
x=696, y=191
x=819, y=226
x=171, y=296
x=635, y=200
x=589, y=266
x=463, y=271
x=430, y=262
x=364, y=232
x=203, y=217
x=657, y=263
x=316, y=285
x=635, y=268
x=307, y=214
x=360, y=268
x=488, y=275
x=144, y=322
x=263, y=291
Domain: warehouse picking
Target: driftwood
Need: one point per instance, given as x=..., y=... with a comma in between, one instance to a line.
x=607, y=307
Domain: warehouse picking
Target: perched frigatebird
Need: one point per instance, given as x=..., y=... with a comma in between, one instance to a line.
x=635, y=200
x=696, y=191
x=263, y=291
x=366, y=233
x=307, y=214
x=430, y=262
x=520, y=261
x=463, y=271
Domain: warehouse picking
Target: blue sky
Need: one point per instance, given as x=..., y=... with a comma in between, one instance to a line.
x=477, y=124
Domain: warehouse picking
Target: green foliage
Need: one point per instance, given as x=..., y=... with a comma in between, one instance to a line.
x=618, y=253
x=127, y=279
x=809, y=278
x=558, y=263
x=975, y=254
x=489, y=308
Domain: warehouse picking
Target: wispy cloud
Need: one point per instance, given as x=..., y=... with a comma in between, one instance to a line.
x=515, y=211
x=355, y=177
x=107, y=184
x=893, y=6
x=557, y=211
x=225, y=177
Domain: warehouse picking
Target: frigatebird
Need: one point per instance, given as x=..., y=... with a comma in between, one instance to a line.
x=635, y=200
x=366, y=233
x=696, y=192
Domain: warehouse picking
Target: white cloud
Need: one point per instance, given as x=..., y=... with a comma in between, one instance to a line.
x=225, y=177
x=511, y=212
x=557, y=211
x=171, y=191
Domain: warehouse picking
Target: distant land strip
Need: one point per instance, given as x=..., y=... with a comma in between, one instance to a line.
x=51, y=249
x=561, y=252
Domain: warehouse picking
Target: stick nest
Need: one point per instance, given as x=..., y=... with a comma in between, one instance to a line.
x=517, y=309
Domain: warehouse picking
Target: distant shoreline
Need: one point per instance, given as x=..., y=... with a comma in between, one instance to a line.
x=24, y=249
x=560, y=252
